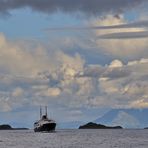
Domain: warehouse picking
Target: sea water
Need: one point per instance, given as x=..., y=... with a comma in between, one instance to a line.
x=107, y=138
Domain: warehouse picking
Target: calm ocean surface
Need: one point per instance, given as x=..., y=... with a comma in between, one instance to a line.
x=75, y=139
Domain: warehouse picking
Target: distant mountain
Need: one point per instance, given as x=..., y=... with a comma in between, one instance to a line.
x=127, y=118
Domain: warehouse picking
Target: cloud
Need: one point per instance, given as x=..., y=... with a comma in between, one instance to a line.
x=33, y=76
x=91, y=71
x=137, y=24
x=119, y=85
x=18, y=92
x=125, y=35
x=116, y=64
x=140, y=103
x=14, y=54
x=86, y=6
x=28, y=72
x=114, y=70
x=49, y=92
x=112, y=36
x=124, y=43
x=29, y=59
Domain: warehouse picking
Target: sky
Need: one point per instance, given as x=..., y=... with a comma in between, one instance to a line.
x=81, y=58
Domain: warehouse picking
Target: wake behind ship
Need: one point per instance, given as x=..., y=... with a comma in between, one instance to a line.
x=44, y=124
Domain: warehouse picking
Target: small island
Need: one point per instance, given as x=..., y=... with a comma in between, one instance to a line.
x=8, y=127
x=92, y=125
x=5, y=127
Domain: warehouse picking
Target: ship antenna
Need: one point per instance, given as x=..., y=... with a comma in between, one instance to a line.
x=40, y=112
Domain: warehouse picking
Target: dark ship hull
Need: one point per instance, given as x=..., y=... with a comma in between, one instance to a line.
x=48, y=127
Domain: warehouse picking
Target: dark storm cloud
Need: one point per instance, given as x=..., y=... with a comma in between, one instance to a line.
x=86, y=6
x=125, y=35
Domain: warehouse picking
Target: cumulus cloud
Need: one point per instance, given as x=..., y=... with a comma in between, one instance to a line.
x=31, y=76
x=28, y=71
x=107, y=88
x=116, y=64
x=115, y=69
x=13, y=55
x=86, y=6
x=29, y=59
x=120, y=85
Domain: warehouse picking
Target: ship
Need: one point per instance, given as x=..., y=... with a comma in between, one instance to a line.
x=44, y=124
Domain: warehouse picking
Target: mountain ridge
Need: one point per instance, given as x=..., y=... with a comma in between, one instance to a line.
x=127, y=118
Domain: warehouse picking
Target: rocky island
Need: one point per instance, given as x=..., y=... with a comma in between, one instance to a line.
x=5, y=127
x=92, y=125
x=8, y=127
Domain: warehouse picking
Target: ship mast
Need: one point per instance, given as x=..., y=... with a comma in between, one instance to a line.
x=40, y=112
x=46, y=111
